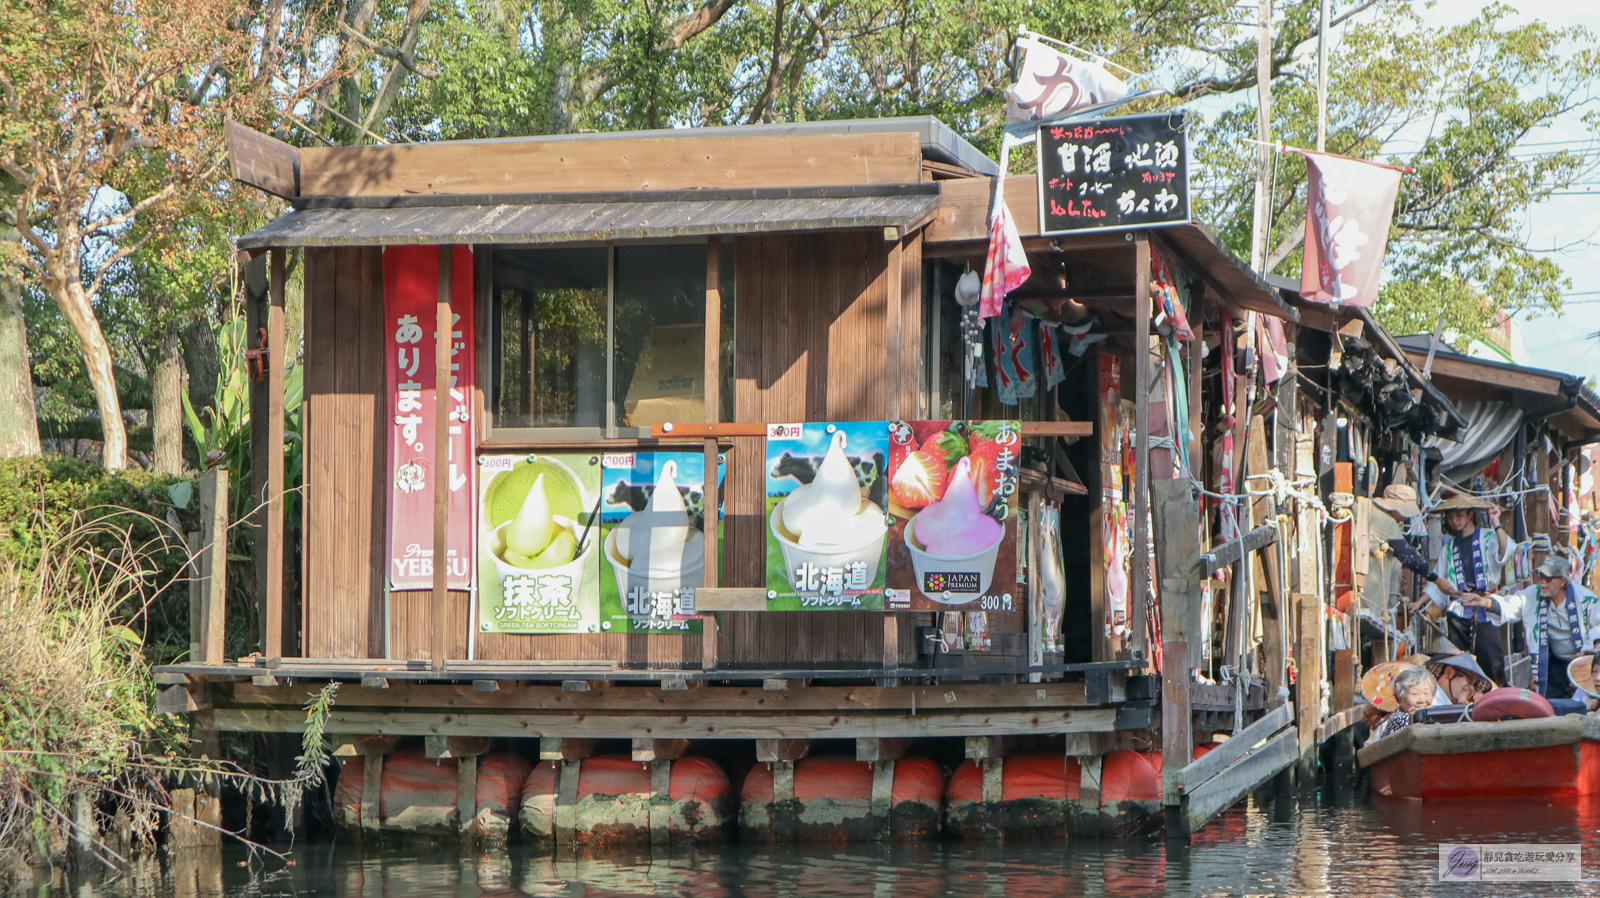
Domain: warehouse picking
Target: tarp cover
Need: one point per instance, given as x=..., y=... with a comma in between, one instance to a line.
x=1490, y=427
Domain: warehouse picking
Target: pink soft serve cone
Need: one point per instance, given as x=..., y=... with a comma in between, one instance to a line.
x=955, y=526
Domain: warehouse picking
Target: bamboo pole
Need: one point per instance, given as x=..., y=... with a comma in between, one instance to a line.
x=442, y=323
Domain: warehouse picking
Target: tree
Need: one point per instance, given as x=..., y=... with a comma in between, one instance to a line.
x=112, y=109
x=1465, y=97
x=19, y=425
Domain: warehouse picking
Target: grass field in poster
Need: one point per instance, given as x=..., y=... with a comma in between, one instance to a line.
x=661, y=549
x=825, y=515
x=538, y=553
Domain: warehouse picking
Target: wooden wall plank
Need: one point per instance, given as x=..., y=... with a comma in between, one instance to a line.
x=344, y=384
x=263, y=162
x=546, y=166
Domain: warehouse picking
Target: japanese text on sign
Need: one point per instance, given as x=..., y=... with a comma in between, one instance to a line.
x=1113, y=173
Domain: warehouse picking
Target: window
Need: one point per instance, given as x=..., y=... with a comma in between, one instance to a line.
x=555, y=312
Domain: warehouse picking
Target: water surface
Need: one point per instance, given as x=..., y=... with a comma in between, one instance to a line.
x=1319, y=845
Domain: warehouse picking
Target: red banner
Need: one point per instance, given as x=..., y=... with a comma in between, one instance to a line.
x=410, y=292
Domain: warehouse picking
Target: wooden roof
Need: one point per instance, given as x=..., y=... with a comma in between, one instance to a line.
x=575, y=217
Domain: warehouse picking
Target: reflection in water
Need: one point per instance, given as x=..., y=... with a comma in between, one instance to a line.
x=1326, y=848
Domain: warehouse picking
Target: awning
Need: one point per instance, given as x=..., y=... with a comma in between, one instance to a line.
x=574, y=217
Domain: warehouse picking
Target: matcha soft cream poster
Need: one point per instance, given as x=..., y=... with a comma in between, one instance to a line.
x=539, y=543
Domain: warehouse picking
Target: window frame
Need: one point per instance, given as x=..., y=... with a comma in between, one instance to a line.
x=489, y=364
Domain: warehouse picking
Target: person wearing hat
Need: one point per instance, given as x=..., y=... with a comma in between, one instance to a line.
x=1458, y=678
x=1583, y=674
x=1400, y=501
x=1560, y=620
x=1471, y=558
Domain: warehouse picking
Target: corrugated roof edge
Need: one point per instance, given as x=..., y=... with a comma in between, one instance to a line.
x=939, y=142
x=1574, y=383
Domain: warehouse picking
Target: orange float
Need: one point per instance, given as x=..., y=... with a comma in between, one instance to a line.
x=833, y=802
x=612, y=802
x=1040, y=797
x=418, y=794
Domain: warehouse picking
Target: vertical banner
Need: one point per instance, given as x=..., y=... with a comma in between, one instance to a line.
x=953, y=503
x=410, y=295
x=1349, y=205
x=652, y=535
x=538, y=544
x=826, y=528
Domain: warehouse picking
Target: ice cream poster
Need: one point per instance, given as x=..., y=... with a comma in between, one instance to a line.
x=539, y=543
x=652, y=540
x=827, y=492
x=953, y=516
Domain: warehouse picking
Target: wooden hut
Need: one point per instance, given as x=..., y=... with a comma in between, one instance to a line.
x=699, y=291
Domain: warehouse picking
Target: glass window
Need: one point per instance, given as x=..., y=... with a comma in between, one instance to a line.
x=555, y=307
x=550, y=308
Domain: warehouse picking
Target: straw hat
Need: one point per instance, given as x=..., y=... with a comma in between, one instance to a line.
x=1462, y=661
x=1378, y=683
x=1399, y=499
x=1581, y=672
x=1459, y=501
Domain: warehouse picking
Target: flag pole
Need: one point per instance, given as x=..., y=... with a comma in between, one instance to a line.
x=1258, y=230
x=1322, y=78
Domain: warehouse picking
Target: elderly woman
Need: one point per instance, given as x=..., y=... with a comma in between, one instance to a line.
x=1472, y=558
x=1413, y=689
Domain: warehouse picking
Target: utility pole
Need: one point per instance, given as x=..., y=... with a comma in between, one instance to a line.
x=1322, y=78
x=1259, y=235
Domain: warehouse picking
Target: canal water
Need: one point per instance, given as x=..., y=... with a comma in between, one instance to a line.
x=1320, y=845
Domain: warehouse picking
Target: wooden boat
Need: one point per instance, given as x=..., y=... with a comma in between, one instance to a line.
x=1552, y=757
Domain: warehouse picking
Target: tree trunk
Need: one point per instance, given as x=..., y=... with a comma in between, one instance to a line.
x=166, y=394
x=564, y=46
x=69, y=295
x=203, y=362
x=19, y=422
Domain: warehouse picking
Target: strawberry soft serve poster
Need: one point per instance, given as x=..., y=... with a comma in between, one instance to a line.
x=952, y=543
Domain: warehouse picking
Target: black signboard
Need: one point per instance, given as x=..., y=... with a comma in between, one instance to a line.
x=1113, y=173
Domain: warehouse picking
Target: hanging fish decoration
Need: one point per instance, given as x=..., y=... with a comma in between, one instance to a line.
x=1052, y=576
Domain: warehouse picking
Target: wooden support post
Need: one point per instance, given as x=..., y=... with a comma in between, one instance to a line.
x=212, y=588
x=1139, y=588
x=660, y=812
x=648, y=751
x=882, y=799
x=467, y=797
x=566, y=811
x=1264, y=511
x=1343, y=597
x=713, y=382
x=558, y=748
x=874, y=749
x=442, y=324
x=784, y=810
x=1178, y=530
x=772, y=750
x=1089, y=796
x=371, y=793
x=1308, y=685
x=272, y=612
x=439, y=747
x=192, y=541
x=891, y=647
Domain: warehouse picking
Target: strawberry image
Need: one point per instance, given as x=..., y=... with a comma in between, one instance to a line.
x=947, y=445
x=919, y=479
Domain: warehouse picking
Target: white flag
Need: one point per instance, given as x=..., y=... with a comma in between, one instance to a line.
x=1051, y=82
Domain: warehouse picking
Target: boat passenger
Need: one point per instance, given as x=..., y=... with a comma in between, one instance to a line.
x=1412, y=690
x=1559, y=618
x=1472, y=559
x=1460, y=680
x=1400, y=501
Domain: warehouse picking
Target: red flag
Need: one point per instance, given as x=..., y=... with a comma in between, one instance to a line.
x=1007, y=266
x=1349, y=204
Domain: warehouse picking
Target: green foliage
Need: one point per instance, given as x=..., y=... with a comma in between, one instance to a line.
x=1464, y=96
